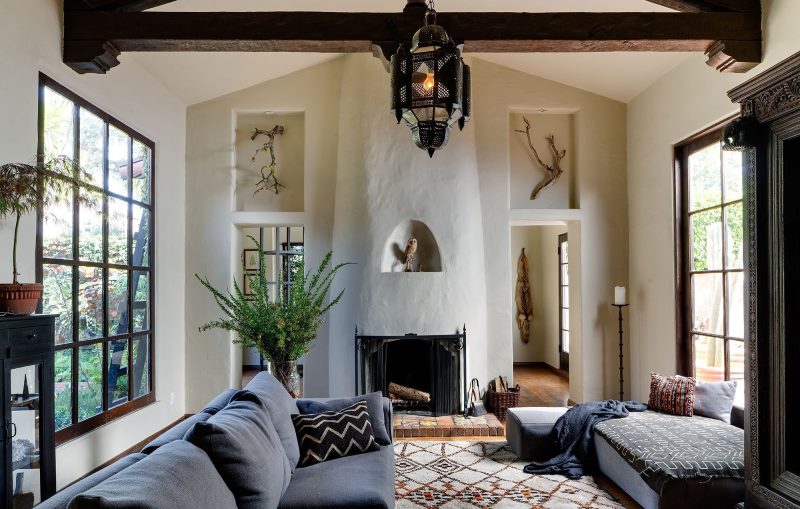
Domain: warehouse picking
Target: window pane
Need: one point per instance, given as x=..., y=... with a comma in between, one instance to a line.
x=737, y=360
x=91, y=145
x=565, y=296
x=90, y=381
x=564, y=318
x=118, y=147
x=117, y=231
x=141, y=366
x=117, y=372
x=57, y=299
x=141, y=301
x=705, y=188
x=734, y=229
x=90, y=233
x=709, y=359
x=59, y=129
x=141, y=236
x=565, y=341
x=117, y=302
x=564, y=275
x=63, y=388
x=90, y=302
x=736, y=304
x=707, y=302
x=57, y=230
x=142, y=161
x=706, y=240
x=732, y=168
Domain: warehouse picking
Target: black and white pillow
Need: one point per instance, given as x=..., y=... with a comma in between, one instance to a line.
x=335, y=434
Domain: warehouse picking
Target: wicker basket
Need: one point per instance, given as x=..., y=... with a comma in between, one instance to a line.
x=499, y=402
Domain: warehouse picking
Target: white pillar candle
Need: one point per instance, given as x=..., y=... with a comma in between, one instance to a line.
x=619, y=295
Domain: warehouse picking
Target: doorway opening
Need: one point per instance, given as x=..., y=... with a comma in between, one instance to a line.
x=541, y=307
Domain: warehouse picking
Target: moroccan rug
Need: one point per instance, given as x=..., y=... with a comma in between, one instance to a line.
x=467, y=475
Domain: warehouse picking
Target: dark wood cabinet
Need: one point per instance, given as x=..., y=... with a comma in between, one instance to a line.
x=26, y=392
x=770, y=132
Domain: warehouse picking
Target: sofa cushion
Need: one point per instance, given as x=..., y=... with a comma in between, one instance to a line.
x=715, y=399
x=246, y=450
x=673, y=394
x=177, y=475
x=281, y=406
x=365, y=481
x=61, y=499
x=220, y=402
x=176, y=432
x=374, y=408
x=331, y=435
x=269, y=388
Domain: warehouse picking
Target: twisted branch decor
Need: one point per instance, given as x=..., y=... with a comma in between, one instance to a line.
x=269, y=181
x=552, y=172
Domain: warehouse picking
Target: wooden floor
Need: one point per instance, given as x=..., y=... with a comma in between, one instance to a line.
x=541, y=386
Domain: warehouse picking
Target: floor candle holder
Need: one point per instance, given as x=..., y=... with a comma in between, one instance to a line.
x=621, y=355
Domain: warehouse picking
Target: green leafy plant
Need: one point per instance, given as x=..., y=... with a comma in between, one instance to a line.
x=26, y=187
x=281, y=327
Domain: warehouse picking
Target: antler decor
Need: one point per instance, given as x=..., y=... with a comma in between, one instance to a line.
x=270, y=180
x=552, y=173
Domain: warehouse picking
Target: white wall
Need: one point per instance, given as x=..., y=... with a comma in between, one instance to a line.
x=30, y=42
x=683, y=102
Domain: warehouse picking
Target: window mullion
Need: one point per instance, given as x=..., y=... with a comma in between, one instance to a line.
x=74, y=388
x=104, y=353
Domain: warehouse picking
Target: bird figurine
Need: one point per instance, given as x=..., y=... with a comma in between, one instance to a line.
x=411, y=249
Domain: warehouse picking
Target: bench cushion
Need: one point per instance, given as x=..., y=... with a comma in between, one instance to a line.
x=528, y=431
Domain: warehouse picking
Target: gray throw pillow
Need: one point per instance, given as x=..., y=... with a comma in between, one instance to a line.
x=244, y=446
x=281, y=406
x=715, y=399
x=177, y=475
x=374, y=408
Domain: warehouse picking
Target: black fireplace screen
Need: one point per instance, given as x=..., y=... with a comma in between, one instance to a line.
x=420, y=374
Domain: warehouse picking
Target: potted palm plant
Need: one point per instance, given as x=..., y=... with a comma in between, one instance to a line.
x=25, y=188
x=281, y=327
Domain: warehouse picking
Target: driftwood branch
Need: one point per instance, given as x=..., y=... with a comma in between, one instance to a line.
x=269, y=180
x=551, y=172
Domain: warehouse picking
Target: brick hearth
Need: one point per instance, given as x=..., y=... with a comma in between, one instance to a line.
x=414, y=426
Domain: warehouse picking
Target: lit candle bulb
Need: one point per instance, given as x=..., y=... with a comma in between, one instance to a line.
x=429, y=82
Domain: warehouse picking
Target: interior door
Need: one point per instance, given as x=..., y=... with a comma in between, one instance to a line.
x=563, y=301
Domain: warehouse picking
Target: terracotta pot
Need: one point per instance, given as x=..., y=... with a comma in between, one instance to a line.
x=21, y=299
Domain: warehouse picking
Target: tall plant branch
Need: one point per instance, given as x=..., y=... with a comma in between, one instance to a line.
x=552, y=172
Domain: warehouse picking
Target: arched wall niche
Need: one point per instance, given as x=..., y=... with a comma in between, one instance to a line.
x=427, y=258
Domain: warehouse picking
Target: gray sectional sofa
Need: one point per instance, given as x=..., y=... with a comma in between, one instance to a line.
x=171, y=472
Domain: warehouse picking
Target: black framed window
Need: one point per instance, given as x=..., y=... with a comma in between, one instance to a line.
x=283, y=257
x=710, y=235
x=97, y=265
x=563, y=300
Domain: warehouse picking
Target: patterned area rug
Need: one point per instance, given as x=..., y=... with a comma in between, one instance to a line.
x=467, y=475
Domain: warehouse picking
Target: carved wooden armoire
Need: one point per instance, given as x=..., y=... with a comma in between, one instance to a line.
x=769, y=132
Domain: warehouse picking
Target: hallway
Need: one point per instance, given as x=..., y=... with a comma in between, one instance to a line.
x=541, y=385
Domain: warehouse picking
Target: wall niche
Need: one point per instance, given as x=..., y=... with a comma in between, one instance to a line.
x=289, y=150
x=427, y=257
x=526, y=172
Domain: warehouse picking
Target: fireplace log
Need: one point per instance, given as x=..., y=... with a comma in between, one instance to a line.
x=397, y=391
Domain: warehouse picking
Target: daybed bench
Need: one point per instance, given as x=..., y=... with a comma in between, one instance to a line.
x=662, y=461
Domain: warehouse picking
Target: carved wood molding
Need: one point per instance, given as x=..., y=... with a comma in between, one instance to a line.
x=771, y=94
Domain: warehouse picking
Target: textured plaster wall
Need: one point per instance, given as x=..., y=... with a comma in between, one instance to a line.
x=30, y=42
x=686, y=100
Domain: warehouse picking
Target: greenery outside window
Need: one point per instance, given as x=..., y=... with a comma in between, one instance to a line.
x=710, y=234
x=97, y=265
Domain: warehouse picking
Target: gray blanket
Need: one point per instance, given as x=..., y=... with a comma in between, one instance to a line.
x=663, y=447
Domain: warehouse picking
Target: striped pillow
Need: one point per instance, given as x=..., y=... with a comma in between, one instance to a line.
x=673, y=395
x=334, y=434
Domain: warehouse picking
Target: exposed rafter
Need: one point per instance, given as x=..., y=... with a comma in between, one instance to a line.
x=711, y=5
x=93, y=39
x=113, y=5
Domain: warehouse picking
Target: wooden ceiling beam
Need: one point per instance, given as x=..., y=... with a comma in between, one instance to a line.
x=113, y=5
x=711, y=5
x=94, y=39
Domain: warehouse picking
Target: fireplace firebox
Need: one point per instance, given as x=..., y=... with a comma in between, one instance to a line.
x=422, y=375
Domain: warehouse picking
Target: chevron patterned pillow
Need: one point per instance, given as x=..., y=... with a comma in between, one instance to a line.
x=672, y=394
x=335, y=434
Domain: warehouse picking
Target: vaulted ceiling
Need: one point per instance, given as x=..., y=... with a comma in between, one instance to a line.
x=199, y=76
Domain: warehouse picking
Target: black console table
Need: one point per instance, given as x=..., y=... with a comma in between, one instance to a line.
x=26, y=391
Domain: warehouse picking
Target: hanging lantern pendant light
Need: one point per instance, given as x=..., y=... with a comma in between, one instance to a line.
x=430, y=85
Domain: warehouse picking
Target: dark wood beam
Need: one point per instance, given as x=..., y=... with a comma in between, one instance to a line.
x=113, y=5
x=711, y=5
x=94, y=39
